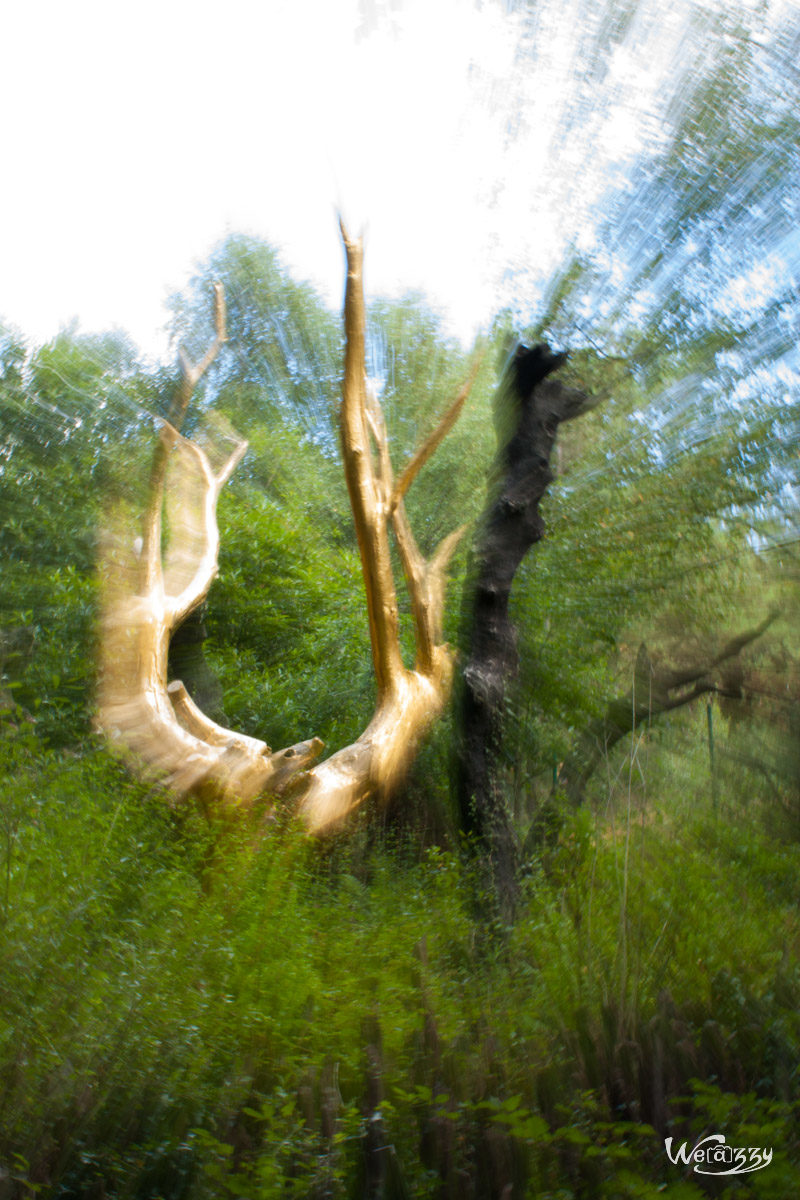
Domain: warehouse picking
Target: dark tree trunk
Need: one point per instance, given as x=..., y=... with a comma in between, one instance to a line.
x=530, y=409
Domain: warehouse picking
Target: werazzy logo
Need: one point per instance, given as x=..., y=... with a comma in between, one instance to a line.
x=711, y=1156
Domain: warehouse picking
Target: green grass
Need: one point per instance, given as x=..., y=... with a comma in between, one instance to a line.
x=186, y=1013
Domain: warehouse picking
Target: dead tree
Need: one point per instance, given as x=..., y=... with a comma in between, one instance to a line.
x=530, y=410
x=148, y=594
x=656, y=690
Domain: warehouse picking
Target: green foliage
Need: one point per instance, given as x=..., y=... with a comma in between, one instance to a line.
x=679, y=305
x=282, y=359
x=291, y=647
x=647, y=540
x=192, y=1012
x=69, y=416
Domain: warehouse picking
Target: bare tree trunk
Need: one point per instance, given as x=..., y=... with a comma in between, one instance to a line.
x=159, y=727
x=531, y=409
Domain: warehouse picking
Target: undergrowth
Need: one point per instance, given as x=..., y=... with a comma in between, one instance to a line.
x=186, y=1013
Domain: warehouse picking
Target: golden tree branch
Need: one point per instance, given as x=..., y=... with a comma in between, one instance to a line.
x=425, y=581
x=415, y=571
x=373, y=415
x=198, y=547
x=159, y=726
x=190, y=377
x=437, y=578
x=362, y=485
x=434, y=439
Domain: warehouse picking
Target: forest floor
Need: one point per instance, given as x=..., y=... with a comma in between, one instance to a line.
x=190, y=1014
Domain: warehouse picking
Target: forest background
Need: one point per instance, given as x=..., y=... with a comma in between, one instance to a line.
x=186, y=1011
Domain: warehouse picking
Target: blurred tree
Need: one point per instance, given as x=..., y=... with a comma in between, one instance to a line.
x=68, y=412
x=684, y=298
x=530, y=411
x=154, y=581
x=282, y=361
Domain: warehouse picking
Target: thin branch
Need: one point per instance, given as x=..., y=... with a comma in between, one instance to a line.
x=433, y=587
x=230, y=466
x=415, y=571
x=373, y=415
x=192, y=374
x=444, y=551
x=425, y=581
x=434, y=439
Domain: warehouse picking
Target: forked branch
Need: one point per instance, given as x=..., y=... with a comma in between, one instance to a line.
x=363, y=484
x=145, y=599
x=191, y=374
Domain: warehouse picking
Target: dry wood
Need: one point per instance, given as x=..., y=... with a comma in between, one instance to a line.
x=158, y=727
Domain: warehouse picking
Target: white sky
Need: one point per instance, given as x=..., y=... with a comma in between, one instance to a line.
x=137, y=135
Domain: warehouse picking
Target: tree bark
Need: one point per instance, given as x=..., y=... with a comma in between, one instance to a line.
x=530, y=410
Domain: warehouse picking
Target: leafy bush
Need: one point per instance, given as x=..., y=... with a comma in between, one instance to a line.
x=195, y=1011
